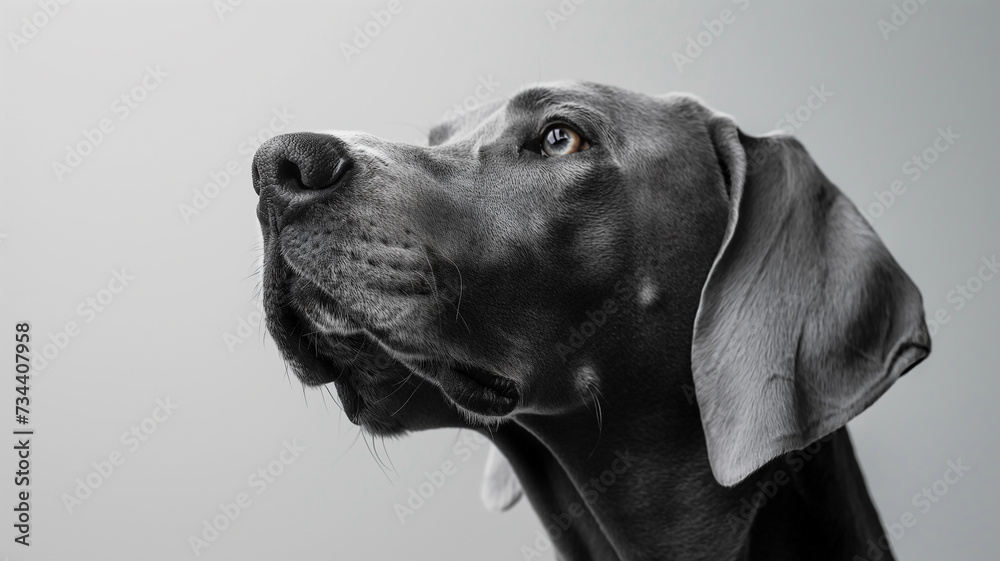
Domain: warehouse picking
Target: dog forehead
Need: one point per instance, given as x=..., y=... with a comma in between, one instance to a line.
x=654, y=140
x=639, y=125
x=491, y=118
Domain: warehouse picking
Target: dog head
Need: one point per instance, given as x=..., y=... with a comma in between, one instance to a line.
x=538, y=244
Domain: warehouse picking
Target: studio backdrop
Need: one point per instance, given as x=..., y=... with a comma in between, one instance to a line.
x=159, y=420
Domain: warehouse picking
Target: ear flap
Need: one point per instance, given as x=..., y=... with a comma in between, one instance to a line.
x=805, y=319
x=500, y=489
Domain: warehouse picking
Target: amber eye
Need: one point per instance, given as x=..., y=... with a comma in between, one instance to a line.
x=560, y=140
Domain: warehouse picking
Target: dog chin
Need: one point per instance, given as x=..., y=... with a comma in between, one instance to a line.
x=360, y=412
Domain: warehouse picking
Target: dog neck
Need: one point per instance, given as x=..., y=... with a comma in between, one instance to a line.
x=641, y=487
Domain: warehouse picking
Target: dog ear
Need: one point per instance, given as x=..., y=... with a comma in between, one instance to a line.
x=460, y=120
x=440, y=133
x=500, y=490
x=805, y=318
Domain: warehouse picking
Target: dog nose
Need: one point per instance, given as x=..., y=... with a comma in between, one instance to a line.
x=300, y=162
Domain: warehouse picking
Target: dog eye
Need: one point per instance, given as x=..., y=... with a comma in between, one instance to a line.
x=560, y=140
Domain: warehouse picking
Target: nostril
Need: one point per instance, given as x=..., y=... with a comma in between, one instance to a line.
x=340, y=169
x=318, y=176
x=310, y=176
x=287, y=172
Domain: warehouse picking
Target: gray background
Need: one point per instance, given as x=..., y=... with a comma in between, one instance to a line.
x=163, y=335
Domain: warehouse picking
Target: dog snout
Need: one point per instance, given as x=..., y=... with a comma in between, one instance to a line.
x=301, y=163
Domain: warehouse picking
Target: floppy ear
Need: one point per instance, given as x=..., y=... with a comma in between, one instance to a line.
x=500, y=490
x=805, y=319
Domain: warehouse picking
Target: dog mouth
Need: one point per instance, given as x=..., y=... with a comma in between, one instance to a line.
x=318, y=361
x=471, y=388
x=350, y=361
x=323, y=345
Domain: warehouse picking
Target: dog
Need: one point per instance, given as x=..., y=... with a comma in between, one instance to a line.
x=662, y=323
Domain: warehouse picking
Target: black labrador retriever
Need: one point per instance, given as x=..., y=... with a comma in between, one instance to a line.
x=662, y=322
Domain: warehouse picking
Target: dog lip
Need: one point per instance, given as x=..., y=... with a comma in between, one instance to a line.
x=480, y=391
x=294, y=332
x=310, y=365
x=499, y=384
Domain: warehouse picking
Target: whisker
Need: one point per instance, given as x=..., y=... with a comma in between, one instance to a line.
x=433, y=283
x=599, y=412
x=384, y=449
x=378, y=463
x=399, y=386
x=333, y=397
x=375, y=448
x=325, y=406
x=408, y=399
x=461, y=291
